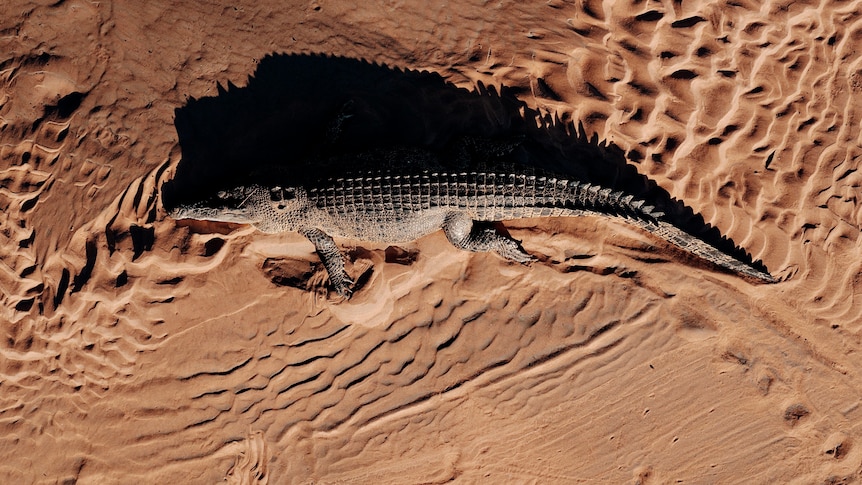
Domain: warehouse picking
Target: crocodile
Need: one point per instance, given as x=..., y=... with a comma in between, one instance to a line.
x=397, y=208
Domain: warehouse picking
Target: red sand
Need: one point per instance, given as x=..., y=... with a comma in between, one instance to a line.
x=182, y=361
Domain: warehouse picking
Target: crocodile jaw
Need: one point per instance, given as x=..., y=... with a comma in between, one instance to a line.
x=236, y=205
x=203, y=212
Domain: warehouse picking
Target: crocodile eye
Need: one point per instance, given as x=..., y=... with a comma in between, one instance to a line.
x=282, y=197
x=222, y=194
x=280, y=194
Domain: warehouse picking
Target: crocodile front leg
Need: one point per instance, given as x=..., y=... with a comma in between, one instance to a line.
x=460, y=231
x=332, y=259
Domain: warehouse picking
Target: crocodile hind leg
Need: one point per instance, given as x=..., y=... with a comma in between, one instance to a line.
x=462, y=233
x=332, y=259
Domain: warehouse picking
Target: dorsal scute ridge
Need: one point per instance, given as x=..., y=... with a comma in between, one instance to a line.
x=581, y=195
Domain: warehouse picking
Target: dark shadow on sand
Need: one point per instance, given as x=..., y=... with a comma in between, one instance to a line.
x=279, y=128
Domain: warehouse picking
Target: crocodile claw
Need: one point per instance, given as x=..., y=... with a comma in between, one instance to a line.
x=511, y=250
x=343, y=286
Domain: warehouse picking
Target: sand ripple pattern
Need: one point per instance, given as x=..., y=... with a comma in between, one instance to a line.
x=744, y=111
x=136, y=349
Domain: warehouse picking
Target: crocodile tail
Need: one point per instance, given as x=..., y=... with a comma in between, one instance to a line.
x=636, y=212
x=702, y=249
x=592, y=197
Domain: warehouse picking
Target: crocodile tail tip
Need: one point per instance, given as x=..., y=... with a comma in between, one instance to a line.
x=766, y=277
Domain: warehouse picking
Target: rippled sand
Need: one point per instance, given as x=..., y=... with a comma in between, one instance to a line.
x=139, y=349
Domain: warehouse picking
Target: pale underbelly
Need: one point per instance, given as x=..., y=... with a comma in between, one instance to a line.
x=390, y=227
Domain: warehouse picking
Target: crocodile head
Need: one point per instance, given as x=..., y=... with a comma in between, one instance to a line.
x=239, y=205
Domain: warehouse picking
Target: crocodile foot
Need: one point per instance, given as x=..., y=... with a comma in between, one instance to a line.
x=463, y=234
x=332, y=260
x=511, y=249
x=342, y=284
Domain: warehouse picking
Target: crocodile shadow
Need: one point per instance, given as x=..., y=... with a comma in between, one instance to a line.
x=280, y=127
